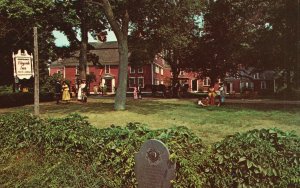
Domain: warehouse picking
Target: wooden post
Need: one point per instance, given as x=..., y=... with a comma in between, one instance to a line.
x=36, y=74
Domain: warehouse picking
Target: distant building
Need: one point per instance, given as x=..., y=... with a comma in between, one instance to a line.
x=155, y=72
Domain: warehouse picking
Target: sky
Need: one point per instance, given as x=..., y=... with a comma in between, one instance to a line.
x=61, y=39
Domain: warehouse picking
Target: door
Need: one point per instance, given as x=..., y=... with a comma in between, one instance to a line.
x=194, y=85
x=108, y=83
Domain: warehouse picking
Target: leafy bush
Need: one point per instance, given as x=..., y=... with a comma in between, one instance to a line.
x=6, y=89
x=19, y=99
x=109, y=152
x=68, y=151
x=258, y=158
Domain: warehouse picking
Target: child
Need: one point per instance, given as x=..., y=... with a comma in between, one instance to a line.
x=203, y=102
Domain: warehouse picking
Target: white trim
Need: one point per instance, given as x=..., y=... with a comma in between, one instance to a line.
x=113, y=85
x=64, y=72
x=263, y=85
x=140, y=71
x=131, y=70
x=76, y=70
x=152, y=75
x=156, y=69
x=87, y=70
x=206, y=80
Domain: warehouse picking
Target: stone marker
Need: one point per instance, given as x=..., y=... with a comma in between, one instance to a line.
x=153, y=168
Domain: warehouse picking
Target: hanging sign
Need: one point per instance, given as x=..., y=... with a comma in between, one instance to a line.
x=23, y=65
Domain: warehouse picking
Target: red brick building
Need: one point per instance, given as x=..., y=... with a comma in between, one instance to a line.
x=155, y=72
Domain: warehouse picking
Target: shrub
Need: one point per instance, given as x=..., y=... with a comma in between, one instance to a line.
x=258, y=158
x=109, y=152
x=71, y=151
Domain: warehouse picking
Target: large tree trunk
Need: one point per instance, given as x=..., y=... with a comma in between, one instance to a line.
x=175, y=80
x=83, y=52
x=121, y=32
x=120, y=99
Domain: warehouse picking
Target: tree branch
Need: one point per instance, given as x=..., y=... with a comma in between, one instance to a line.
x=112, y=20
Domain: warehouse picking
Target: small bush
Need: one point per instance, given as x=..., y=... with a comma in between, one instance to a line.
x=258, y=158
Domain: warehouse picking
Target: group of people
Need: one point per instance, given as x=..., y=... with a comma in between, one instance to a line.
x=62, y=91
x=213, y=95
x=137, y=92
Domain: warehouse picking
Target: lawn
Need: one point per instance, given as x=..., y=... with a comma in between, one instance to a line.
x=211, y=124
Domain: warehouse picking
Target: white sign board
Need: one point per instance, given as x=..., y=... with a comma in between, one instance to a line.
x=23, y=65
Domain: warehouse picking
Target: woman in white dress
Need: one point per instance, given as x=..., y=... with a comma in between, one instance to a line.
x=80, y=90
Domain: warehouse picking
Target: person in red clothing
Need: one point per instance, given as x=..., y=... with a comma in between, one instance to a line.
x=211, y=95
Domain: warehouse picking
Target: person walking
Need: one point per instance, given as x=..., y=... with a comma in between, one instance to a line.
x=58, y=89
x=66, y=94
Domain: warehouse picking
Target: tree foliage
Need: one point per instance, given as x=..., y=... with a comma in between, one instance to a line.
x=17, y=20
x=169, y=29
x=258, y=33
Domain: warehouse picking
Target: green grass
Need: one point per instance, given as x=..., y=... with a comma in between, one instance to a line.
x=212, y=124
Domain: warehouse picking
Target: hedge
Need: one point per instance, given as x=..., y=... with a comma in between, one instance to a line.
x=74, y=153
x=22, y=98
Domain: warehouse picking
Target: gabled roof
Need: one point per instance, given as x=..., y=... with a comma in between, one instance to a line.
x=106, y=52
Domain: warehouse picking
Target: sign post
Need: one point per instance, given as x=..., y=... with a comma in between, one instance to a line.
x=36, y=71
x=24, y=69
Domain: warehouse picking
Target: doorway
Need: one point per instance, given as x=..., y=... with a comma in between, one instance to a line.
x=108, y=83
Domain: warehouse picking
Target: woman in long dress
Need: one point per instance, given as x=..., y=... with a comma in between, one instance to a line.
x=135, y=93
x=212, y=94
x=79, y=93
x=66, y=94
x=81, y=90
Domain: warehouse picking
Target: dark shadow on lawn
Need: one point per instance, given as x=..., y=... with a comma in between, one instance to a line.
x=144, y=107
x=153, y=106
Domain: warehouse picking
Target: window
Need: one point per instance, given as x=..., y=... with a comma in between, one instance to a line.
x=76, y=70
x=247, y=85
x=107, y=69
x=256, y=76
x=263, y=85
x=141, y=81
x=162, y=82
x=87, y=70
x=140, y=70
x=131, y=82
x=132, y=70
x=156, y=69
x=156, y=82
x=206, y=81
x=162, y=71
